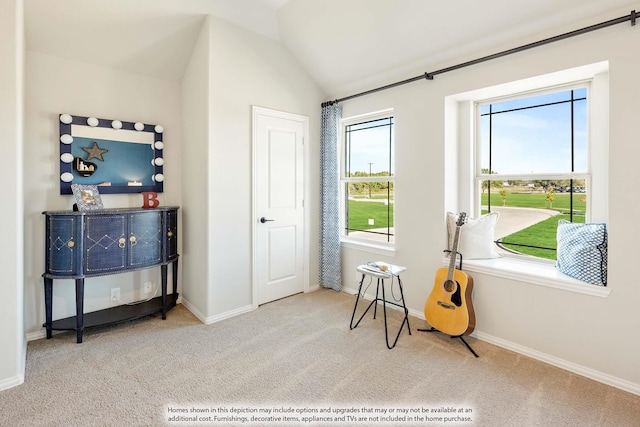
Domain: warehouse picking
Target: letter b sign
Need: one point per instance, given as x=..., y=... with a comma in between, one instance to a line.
x=150, y=200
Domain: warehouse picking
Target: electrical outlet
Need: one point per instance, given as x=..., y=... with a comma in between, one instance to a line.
x=115, y=294
x=148, y=287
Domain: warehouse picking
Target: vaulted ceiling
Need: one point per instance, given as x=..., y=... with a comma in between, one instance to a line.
x=344, y=45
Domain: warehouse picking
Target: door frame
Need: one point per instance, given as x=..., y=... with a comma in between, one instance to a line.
x=261, y=111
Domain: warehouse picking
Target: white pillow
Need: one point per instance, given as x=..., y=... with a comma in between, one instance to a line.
x=476, y=239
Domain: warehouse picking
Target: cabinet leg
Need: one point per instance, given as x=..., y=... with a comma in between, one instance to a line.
x=174, y=278
x=79, y=310
x=48, y=305
x=163, y=272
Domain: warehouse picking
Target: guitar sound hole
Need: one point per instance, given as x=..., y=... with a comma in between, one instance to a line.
x=452, y=286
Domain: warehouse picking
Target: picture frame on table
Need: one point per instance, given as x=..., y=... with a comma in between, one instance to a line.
x=87, y=197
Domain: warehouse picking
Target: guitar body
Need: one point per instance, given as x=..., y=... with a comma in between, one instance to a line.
x=449, y=308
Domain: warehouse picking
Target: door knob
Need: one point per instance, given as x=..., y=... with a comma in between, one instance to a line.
x=263, y=220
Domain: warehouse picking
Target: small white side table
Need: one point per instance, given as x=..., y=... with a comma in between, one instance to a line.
x=392, y=272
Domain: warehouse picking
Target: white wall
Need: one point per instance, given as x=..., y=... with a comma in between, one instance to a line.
x=55, y=85
x=12, y=356
x=196, y=239
x=587, y=334
x=246, y=69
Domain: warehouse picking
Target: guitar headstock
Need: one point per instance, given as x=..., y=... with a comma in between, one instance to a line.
x=462, y=218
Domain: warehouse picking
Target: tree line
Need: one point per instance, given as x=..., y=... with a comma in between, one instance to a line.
x=555, y=184
x=370, y=187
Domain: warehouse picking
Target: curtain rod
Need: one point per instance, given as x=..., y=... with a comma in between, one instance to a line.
x=429, y=76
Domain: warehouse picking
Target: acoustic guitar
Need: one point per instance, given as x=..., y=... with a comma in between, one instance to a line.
x=449, y=308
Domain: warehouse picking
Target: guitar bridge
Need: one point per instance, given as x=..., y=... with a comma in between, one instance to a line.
x=446, y=305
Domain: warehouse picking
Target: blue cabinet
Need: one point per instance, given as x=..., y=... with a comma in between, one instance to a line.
x=62, y=257
x=109, y=241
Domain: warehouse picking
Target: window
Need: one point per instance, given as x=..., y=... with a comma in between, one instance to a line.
x=532, y=166
x=367, y=178
x=463, y=165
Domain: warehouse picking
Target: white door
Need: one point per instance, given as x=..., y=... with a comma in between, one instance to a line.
x=278, y=194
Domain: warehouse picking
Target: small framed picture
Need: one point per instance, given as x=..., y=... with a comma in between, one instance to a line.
x=87, y=197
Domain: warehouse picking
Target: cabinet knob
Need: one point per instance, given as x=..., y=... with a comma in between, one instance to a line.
x=133, y=241
x=170, y=233
x=71, y=243
x=121, y=242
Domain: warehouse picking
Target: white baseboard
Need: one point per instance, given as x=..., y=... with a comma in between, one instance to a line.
x=313, y=288
x=207, y=320
x=16, y=380
x=32, y=336
x=228, y=314
x=11, y=382
x=193, y=310
x=534, y=354
x=561, y=363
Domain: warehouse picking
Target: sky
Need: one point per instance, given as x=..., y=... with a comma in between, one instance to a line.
x=524, y=141
x=371, y=147
x=535, y=140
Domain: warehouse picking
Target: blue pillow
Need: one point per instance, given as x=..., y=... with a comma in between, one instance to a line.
x=582, y=251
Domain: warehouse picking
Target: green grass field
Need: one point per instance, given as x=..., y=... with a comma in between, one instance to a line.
x=542, y=234
x=360, y=212
x=538, y=200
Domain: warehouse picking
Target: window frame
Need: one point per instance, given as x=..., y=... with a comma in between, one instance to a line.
x=374, y=246
x=479, y=177
x=459, y=141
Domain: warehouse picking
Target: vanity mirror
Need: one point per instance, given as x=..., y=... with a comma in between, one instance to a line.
x=119, y=157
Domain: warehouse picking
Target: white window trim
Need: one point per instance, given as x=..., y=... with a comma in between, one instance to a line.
x=460, y=176
x=368, y=246
x=532, y=272
x=381, y=248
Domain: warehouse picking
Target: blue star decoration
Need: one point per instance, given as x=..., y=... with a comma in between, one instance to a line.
x=95, y=152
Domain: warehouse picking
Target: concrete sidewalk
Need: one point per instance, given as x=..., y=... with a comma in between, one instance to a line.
x=516, y=219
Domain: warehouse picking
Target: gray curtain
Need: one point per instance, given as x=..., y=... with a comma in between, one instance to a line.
x=330, y=264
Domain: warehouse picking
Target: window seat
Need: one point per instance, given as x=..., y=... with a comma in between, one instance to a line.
x=532, y=272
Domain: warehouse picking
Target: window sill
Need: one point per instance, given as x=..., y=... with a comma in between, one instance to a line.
x=537, y=273
x=365, y=246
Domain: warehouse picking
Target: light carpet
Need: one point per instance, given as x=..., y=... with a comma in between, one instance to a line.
x=296, y=358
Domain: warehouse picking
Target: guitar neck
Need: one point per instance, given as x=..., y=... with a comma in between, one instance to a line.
x=454, y=253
